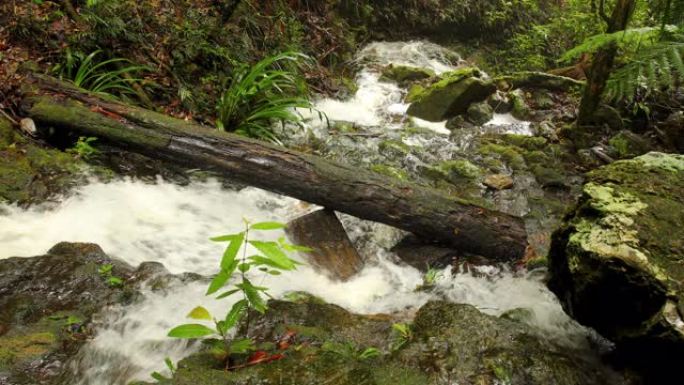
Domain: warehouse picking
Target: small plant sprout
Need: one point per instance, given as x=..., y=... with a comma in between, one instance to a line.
x=430, y=279
x=106, y=273
x=160, y=377
x=235, y=268
x=402, y=335
x=83, y=148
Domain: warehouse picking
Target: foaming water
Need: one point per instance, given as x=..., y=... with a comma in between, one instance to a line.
x=138, y=221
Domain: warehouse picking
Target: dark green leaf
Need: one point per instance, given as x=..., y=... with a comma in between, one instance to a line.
x=235, y=314
x=218, y=282
x=253, y=296
x=227, y=293
x=241, y=346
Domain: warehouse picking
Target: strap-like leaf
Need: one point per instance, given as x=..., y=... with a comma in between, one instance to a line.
x=190, y=331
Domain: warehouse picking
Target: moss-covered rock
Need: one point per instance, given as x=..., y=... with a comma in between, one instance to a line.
x=404, y=75
x=390, y=171
x=628, y=144
x=617, y=264
x=45, y=303
x=453, y=171
x=467, y=346
x=450, y=340
x=480, y=113
x=30, y=173
x=520, y=110
x=450, y=96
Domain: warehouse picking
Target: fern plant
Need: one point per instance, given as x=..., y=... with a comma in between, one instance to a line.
x=652, y=56
x=260, y=95
x=109, y=76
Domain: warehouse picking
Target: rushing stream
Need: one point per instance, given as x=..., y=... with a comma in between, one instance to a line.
x=139, y=221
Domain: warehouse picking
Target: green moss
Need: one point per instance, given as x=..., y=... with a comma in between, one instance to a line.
x=405, y=74
x=628, y=144
x=526, y=142
x=453, y=170
x=394, y=148
x=415, y=92
x=390, y=171
x=509, y=154
x=25, y=347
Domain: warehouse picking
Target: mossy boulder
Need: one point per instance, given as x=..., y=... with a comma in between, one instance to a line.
x=459, y=342
x=480, y=113
x=45, y=304
x=617, y=263
x=673, y=130
x=451, y=95
x=404, y=75
x=30, y=173
x=520, y=109
x=628, y=144
x=449, y=340
x=454, y=171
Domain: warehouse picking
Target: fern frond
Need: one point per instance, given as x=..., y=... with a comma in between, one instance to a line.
x=629, y=37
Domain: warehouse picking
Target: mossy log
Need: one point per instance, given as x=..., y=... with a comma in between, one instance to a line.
x=364, y=194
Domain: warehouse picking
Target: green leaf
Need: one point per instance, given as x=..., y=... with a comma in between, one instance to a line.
x=224, y=238
x=191, y=331
x=199, y=313
x=232, y=250
x=253, y=296
x=159, y=377
x=114, y=281
x=227, y=293
x=169, y=364
x=273, y=252
x=235, y=314
x=241, y=346
x=267, y=226
x=218, y=282
x=244, y=267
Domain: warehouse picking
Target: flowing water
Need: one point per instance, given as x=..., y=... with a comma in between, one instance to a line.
x=138, y=221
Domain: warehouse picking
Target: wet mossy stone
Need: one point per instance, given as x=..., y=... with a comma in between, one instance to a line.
x=617, y=263
x=404, y=75
x=454, y=171
x=537, y=80
x=520, y=109
x=475, y=348
x=450, y=96
x=628, y=144
x=37, y=297
x=480, y=113
x=30, y=173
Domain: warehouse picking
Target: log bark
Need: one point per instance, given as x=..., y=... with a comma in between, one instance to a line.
x=426, y=212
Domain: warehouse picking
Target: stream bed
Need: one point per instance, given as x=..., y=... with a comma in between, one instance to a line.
x=138, y=220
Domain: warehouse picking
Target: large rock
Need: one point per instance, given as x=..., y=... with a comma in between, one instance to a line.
x=45, y=305
x=451, y=341
x=450, y=96
x=618, y=262
x=332, y=251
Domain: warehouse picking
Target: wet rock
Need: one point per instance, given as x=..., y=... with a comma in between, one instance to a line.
x=470, y=347
x=546, y=130
x=450, y=96
x=404, y=75
x=457, y=123
x=627, y=144
x=521, y=109
x=449, y=341
x=424, y=256
x=332, y=252
x=453, y=171
x=673, y=129
x=46, y=303
x=480, y=113
x=498, y=181
x=500, y=102
x=617, y=262
x=30, y=173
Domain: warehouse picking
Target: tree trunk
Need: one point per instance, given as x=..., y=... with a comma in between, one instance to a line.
x=364, y=194
x=603, y=59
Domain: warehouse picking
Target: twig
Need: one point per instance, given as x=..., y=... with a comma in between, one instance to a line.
x=9, y=117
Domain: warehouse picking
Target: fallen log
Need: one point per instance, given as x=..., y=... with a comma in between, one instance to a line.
x=425, y=212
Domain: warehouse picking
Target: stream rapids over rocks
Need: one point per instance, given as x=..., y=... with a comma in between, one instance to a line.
x=139, y=220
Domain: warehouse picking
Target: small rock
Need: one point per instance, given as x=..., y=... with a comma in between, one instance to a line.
x=480, y=113
x=498, y=181
x=500, y=102
x=332, y=252
x=28, y=126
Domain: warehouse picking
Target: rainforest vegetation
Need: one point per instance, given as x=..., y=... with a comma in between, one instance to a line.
x=413, y=191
